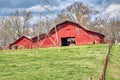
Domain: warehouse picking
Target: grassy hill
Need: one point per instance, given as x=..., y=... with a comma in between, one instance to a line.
x=113, y=71
x=71, y=63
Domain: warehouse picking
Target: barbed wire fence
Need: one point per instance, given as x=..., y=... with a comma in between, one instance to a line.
x=107, y=59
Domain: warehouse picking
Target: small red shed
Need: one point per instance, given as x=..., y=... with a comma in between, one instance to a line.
x=23, y=42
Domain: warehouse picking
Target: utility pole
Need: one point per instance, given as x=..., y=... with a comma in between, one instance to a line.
x=47, y=6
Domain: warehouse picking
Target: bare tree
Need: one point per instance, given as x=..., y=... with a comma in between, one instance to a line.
x=109, y=27
x=115, y=28
x=78, y=12
x=27, y=16
x=5, y=32
x=14, y=26
x=21, y=22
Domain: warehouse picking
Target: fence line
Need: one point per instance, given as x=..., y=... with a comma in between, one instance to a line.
x=103, y=76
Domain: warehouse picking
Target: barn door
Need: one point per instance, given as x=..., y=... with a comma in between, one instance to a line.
x=64, y=41
x=68, y=41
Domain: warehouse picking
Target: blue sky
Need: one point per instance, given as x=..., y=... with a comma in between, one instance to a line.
x=9, y=6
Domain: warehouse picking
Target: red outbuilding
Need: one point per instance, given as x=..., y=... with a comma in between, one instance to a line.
x=24, y=42
x=64, y=34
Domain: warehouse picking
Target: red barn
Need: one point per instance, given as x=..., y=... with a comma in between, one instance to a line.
x=68, y=33
x=23, y=42
x=64, y=34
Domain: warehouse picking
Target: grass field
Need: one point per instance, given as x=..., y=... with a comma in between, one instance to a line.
x=71, y=63
x=113, y=71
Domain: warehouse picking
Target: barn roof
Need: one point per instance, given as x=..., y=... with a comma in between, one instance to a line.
x=41, y=36
x=28, y=37
x=81, y=26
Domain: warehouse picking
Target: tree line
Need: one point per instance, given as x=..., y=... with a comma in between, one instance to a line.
x=18, y=23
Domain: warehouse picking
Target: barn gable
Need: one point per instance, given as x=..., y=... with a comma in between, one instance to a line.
x=66, y=23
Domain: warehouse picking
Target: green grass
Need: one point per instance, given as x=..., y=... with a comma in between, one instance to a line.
x=113, y=71
x=71, y=63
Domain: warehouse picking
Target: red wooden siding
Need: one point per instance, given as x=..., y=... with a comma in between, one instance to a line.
x=69, y=29
x=23, y=41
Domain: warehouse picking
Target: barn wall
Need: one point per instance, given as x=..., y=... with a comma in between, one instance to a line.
x=87, y=38
x=46, y=42
x=24, y=42
x=81, y=36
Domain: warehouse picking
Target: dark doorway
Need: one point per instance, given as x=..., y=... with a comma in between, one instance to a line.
x=64, y=42
x=14, y=47
x=68, y=41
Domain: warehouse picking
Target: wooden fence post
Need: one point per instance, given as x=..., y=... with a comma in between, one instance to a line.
x=107, y=60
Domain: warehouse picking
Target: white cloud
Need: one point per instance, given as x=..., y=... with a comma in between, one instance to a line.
x=35, y=8
x=56, y=8
x=35, y=19
x=58, y=5
x=6, y=11
x=9, y=11
x=112, y=11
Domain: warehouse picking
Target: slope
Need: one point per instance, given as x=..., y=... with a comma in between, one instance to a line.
x=71, y=63
x=113, y=71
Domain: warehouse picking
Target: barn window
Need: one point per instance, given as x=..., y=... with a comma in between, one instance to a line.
x=14, y=47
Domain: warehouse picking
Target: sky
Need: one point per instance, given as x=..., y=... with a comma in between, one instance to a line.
x=111, y=7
